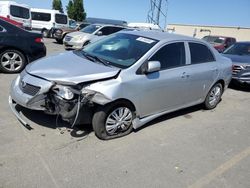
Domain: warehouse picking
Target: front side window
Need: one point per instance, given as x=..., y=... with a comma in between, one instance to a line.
x=171, y=55
x=39, y=16
x=120, y=50
x=200, y=53
x=61, y=19
x=90, y=29
x=19, y=12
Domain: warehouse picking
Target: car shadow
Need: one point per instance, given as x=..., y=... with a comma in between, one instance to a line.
x=80, y=131
x=183, y=112
x=238, y=87
x=54, y=122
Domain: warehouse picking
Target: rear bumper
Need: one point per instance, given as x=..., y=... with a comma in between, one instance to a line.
x=37, y=53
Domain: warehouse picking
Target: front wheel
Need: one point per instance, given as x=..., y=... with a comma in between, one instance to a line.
x=113, y=121
x=213, y=96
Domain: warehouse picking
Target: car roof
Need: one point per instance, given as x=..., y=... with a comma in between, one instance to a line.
x=219, y=36
x=158, y=35
x=243, y=42
x=102, y=25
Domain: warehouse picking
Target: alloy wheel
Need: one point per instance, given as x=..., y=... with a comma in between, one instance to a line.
x=119, y=120
x=214, y=96
x=11, y=61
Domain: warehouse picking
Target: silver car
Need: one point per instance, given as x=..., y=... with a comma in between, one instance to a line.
x=79, y=39
x=123, y=81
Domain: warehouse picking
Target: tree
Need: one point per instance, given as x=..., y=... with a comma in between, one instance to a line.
x=70, y=9
x=57, y=5
x=75, y=10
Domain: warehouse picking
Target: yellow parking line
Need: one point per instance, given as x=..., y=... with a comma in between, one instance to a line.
x=221, y=169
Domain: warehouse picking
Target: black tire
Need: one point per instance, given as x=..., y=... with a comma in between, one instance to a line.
x=19, y=61
x=45, y=33
x=208, y=104
x=59, y=41
x=100, y=118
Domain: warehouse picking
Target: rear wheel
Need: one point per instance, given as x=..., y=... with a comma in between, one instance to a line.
x=12, y=61
x=45, y=33
x=60, y=41
x=113, y=120
x=213, y=96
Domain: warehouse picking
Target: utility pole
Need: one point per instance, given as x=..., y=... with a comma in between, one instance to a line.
x=157, y=13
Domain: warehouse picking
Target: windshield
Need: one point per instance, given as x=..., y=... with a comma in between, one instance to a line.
x=238, y=49
x=120, y=49
x=19, y=12
x=90, y=29
x=213, y=39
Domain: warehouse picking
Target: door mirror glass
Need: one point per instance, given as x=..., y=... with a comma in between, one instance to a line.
x=99, y=33
x=153, y=66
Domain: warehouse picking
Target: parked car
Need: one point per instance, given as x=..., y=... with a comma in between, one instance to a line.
x=124, y=80
x=79, y=39
x=45, y=19
x=15, y=23
x=60, y=33
x=18, y=47
x=220, y=43
x=239, y=53
x=17, y=12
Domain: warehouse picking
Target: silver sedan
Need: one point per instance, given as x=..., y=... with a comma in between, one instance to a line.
x=123, y=81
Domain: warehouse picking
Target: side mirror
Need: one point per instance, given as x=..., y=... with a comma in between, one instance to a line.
x=153, y=66
x=99, y=33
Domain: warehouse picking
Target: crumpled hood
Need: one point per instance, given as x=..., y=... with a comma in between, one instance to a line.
x=70, y=68
x=238, y=59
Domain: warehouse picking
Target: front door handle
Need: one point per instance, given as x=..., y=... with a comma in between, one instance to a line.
x=185, y=75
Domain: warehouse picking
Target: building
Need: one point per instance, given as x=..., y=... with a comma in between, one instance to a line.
x=199, y=31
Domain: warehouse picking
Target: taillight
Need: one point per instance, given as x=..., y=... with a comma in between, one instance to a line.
x=39, y=40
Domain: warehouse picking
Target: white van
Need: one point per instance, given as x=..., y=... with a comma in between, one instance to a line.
x=44, y=19
x=17, y=12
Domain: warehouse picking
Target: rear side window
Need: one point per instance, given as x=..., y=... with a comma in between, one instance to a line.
x=171, y=55
x=61, y=19
x=19, y=12
x=40, y=16
x=200, y=53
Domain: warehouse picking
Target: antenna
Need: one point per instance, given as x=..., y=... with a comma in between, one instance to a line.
x=157, y=13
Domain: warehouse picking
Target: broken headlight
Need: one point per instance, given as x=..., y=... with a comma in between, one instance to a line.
x=63, y=92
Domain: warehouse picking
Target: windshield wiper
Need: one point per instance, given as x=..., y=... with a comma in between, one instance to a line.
x=95, y=58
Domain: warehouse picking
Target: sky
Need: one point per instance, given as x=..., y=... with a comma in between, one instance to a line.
x=201, y=12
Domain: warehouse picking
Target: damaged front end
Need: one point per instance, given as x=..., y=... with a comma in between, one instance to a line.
x=74, y=104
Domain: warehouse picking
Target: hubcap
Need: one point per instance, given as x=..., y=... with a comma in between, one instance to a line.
x=214, y=96
x=11, y=61
x=119, y=120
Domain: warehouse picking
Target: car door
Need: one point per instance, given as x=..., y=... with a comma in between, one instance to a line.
x=3, y=33
x=165, y=90
x=203, y=71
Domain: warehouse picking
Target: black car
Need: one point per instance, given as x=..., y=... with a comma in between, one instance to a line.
x=18, y=47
